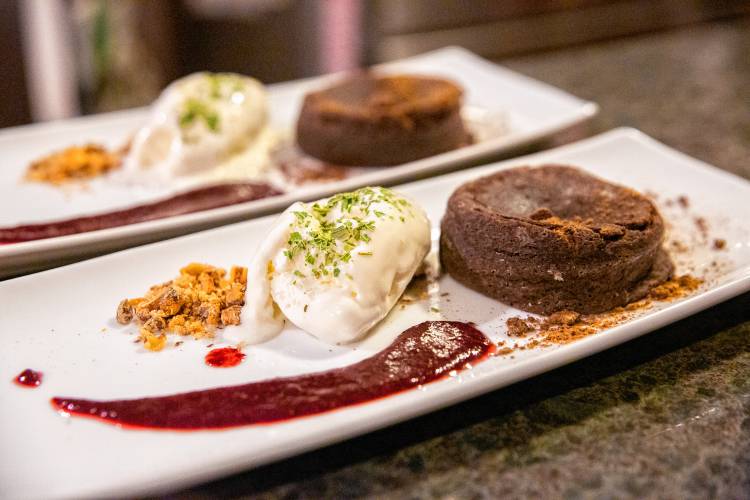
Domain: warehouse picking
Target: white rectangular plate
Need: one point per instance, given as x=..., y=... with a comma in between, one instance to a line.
x=531, y=110
x=61, y=322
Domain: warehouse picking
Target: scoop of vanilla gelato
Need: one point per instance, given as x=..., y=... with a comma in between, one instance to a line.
x=198, y=123
x=335, y=267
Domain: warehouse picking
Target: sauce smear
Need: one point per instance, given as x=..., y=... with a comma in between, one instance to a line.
x=224, y=357
x=299, y=168
x=29, y=378
x=196, y=200
x=421, y=354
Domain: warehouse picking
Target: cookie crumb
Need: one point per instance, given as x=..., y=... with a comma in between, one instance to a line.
x=201, y=299
x=702, y=225
x=517, y=327
x=563, y=327
x=566, y=318
x=73, y=164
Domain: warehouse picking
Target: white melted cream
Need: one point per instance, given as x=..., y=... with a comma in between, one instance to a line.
x=335, y=292
x=204, y=126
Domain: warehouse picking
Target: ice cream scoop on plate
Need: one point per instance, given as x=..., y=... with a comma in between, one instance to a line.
x=200, y=123
x=335, y=267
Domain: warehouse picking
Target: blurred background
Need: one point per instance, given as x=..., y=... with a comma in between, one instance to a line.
x=64, y=58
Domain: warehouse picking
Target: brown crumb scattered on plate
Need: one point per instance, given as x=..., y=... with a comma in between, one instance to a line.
x=702, y=225
x=200, y=300
x=564, y=327
x=518, y=327
x=73, y=164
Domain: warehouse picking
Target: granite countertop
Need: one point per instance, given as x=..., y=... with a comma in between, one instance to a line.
x=666, y=415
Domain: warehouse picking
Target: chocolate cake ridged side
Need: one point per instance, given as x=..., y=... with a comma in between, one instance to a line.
x=553, y=264
x=382, y=121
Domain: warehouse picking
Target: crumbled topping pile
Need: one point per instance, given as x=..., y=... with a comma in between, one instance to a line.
x=200, y=300
x=73, y=164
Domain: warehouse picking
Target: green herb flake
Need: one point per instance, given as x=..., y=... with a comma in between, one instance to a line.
x=194, y=110
x=341, y=232
x=328, y=241
x=223, y=85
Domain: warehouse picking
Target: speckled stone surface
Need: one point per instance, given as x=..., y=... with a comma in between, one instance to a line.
x=664, y=416
x=689, y=88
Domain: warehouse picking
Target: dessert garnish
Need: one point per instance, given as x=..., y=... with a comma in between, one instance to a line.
x=73, y=164
x=199, y=301
x=334, y=267
x=187, y=202
x=423, y=353
x=224, y=357
x=29, y=378
x=563, y=327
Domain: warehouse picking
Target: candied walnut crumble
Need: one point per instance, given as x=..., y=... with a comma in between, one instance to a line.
x=200, y=300
x=74, y=163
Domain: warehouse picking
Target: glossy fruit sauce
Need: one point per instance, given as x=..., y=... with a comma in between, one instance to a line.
x=188, y=202
x=421, y=354
x=29, y=378
x=224, y=357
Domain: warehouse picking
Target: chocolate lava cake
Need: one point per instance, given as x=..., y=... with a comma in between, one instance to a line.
x=553, y=238
x=382, y=120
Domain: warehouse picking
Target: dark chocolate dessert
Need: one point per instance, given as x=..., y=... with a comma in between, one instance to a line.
x=553, y=238
x=382, y=120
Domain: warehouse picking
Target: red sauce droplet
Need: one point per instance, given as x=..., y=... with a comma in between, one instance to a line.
x=195, y=200
x=224, y=357
x=423, y=353
x=29, y=378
